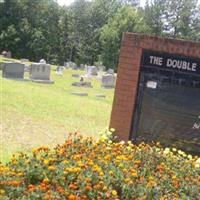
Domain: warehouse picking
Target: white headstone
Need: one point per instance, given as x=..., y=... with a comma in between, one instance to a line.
x=43, y=61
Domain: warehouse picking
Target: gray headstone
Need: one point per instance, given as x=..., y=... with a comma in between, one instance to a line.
x=13, y=70
x=102, y=68
x=110, y=71
x=59, y=70
x=100, y=95
x=108, y=81
x=79, y=93
x=82, y=67
x=75, y=75
x=27, y=68
x=71, y=65
x=40, y=71
x=92, y=70
x=2, y=65
x=82, y=84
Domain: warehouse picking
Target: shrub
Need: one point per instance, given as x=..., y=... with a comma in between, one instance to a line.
x=83, y=168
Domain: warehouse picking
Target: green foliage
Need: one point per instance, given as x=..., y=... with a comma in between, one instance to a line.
x=126, y=19
x=87, y=169
x=89, y=31
x=177, y=19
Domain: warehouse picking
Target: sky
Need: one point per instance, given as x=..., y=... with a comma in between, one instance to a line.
x=67, y=2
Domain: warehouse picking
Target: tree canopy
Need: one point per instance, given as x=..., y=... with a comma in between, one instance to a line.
x=90, y=31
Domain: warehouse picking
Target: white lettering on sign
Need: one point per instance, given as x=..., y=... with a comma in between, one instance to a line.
x=156, y=60
x=179, y=64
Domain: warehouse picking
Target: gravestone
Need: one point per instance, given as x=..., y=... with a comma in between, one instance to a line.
x=82, y=67
x=102, y=68
x=71, y=65
x=82, y=84
x=27, y=67
x=108, y=81
x=110, y=71
x=13, y=70
x=92, y=70
x=40, y=73
x=1, y=65
x=75, y=75
x=59, y=70
x=100, y=95
x=80, y=93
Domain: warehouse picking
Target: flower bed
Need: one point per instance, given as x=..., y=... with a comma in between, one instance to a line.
x=87, y=169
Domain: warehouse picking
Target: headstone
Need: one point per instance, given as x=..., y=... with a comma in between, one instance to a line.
x=13, y=70
x=43, y=61
x=82, y=67
x=59, y=73
x=108, y=81
x=102, y=68
x=59, y=70
x=75, y=75
x=40, y=73
x=80, y=93
x=27, y=67
x=71, y=65
x=110, y=71
x=92, y=70
x=100, y=95
x=2, y=65
x=82, y=84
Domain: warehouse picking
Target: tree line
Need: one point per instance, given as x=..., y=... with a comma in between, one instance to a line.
x=89, y=32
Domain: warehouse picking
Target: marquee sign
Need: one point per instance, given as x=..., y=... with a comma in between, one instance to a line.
x=171, y=62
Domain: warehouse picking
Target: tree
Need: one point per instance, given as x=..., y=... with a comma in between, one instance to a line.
x=127, y=19
x=182, y=17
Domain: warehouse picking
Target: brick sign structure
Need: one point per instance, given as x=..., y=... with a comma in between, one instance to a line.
x=157, y=94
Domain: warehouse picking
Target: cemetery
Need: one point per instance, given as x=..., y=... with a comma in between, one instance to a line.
x=60, y=110
x=100, y=100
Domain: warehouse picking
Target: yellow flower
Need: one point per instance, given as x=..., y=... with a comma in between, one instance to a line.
x=46, y=162
x=134, y=174
x=65, y=161
x=197, y=165
x=46, y=181
x=51, y=168
x=112, y=129
x=174, y=149
x=166, y=151
x=2, y=192
x=114, y=192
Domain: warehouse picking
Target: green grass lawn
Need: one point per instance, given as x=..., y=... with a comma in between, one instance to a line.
x=34, y=114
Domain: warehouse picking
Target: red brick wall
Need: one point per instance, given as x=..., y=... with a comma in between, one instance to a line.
x=128, y=73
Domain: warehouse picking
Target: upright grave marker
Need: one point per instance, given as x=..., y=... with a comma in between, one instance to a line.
x=13, y=70
x=40, y=72
x=157, y=96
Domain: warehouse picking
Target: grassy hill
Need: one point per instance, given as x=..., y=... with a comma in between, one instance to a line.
x=34, y=114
